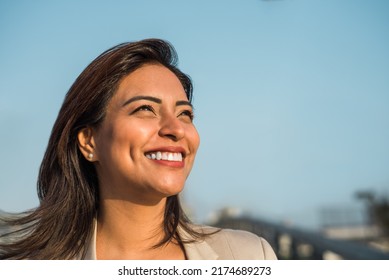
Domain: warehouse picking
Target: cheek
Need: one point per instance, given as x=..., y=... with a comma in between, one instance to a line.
x=194, y=138
x=141, y=132
x=103, y=143
x=131, y=137
x=112, y=142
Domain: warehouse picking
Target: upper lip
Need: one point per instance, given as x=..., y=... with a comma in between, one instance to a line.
x=169, y=149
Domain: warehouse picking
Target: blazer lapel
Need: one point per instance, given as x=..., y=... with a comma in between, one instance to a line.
x=200, y=250
x=197, y=250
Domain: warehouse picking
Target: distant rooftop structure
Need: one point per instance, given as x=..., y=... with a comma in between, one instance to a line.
x=336, y=216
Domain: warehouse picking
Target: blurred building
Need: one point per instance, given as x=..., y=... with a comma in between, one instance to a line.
x=340, y=238
x=354, y=224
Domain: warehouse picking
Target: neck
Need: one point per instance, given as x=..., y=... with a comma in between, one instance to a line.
x=126, y=230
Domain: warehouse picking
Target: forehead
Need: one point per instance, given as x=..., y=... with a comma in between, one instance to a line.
x=151, y=80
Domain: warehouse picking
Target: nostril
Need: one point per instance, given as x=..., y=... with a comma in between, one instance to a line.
x=172, y=129
x=171, y=136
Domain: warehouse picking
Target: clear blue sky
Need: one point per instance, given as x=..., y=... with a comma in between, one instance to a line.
x=291, y=96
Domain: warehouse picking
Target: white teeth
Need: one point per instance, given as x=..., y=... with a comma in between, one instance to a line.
x=165, y=156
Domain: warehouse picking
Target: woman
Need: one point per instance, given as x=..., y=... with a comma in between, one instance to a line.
x=118, y=156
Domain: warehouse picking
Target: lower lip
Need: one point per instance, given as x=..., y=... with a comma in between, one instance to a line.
x=175, y=164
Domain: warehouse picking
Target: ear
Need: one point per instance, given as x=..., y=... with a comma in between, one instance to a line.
x=86, y=143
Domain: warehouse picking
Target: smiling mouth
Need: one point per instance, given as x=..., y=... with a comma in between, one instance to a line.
x=165, y=156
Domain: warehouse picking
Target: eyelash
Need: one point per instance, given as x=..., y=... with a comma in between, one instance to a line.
x=144, y=108
x=150, y=108
x=189, y=114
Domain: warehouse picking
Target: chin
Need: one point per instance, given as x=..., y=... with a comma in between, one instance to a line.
x=170, y=190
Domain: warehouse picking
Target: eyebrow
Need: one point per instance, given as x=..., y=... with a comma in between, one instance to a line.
x=156, y=100
x=141, y=97
x=184, y=103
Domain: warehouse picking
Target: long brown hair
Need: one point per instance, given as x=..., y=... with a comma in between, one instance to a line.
x=67, y=184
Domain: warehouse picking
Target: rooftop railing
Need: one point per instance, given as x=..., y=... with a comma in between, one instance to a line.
x=292, y=243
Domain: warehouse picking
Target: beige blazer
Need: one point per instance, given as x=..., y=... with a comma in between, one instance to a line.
x=226, y=244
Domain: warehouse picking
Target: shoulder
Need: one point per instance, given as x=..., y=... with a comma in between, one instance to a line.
x=238, y=244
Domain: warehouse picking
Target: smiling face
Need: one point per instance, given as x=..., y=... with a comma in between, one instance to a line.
x=146, y=145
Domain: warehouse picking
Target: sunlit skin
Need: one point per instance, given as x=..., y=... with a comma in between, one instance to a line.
x=143, y=116
x=149, y=113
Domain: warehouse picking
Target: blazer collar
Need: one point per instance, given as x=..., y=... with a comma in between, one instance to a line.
x=199, y=250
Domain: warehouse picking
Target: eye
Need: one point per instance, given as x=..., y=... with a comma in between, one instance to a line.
x=187, y=114
x=143, y=108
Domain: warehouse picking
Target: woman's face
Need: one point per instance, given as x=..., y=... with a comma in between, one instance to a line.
x=146, y=145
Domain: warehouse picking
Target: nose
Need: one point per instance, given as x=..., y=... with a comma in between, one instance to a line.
x=172, y=128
